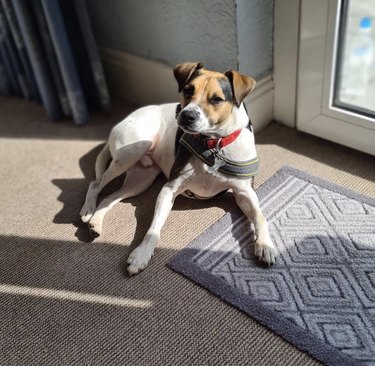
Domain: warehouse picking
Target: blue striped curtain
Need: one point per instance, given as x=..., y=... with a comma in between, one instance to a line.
x=48, y=54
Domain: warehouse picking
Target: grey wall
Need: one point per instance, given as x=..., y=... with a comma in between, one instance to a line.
x=219, y=33
x=255, y=37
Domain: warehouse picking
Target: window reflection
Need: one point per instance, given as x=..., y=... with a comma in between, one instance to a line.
x=355, y=84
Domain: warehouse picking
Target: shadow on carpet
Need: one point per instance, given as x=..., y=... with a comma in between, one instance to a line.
x=320, y=294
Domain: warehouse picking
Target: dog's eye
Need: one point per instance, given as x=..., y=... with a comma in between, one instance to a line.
x=188, y=91
x=216, y=100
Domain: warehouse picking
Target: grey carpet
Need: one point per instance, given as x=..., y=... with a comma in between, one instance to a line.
x=320, y=293
x=67, y=301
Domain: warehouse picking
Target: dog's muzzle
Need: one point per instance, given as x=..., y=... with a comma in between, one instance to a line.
x=188, y=117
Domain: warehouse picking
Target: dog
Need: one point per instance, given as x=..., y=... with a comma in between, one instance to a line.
x=214, y=151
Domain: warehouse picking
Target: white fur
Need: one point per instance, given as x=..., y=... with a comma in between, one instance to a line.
x=143, y=146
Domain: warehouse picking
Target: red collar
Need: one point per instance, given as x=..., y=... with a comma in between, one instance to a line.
x=222, y=141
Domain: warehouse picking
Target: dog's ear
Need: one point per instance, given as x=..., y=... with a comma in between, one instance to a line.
x=183, y=72
x=241, y=84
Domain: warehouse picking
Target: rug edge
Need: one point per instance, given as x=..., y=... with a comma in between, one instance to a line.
x=288, y=169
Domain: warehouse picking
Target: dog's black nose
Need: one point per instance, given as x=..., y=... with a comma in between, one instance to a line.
x=187, y=117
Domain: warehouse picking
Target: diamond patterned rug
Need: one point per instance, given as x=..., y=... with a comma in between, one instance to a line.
x=320, y=294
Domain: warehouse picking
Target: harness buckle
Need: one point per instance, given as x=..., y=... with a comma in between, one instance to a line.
x=218, y=147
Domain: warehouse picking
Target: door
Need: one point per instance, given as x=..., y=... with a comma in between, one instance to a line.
x=336, y=72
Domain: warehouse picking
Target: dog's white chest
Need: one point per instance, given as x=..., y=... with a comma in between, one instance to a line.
x=203, y=182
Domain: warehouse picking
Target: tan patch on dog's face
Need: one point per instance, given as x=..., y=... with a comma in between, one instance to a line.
x=212, y=92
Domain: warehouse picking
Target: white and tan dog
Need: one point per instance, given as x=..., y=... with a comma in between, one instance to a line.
x=215, y=153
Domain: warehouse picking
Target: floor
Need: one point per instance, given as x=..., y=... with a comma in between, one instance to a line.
x=65, y=298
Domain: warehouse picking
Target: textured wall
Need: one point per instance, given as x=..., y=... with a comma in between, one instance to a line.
x=219, y=33
x=255, y=37
x=170, y=31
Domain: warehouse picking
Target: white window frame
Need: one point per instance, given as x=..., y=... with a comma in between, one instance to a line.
x=307, y=51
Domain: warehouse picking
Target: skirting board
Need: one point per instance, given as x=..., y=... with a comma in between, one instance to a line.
x=142, y=81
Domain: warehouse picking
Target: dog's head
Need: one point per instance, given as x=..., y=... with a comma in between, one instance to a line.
x=209, y=99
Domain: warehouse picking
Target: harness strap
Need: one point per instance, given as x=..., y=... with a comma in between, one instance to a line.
x=241, y=169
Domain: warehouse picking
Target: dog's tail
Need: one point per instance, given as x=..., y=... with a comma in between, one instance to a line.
x=102, y=161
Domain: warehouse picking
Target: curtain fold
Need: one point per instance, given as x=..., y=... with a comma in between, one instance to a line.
x=48, y=54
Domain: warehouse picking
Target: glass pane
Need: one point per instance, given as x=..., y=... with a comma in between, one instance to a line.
x=355, y=71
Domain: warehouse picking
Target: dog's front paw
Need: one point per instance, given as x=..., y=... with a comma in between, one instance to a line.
x=266, y=252
x=139, y=258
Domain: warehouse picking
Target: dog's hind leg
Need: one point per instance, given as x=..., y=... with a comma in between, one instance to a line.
x=102, y=161
x=126, y=157
x=137, y=180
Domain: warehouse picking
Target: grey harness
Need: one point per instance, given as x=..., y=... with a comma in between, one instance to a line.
x=212, y=157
